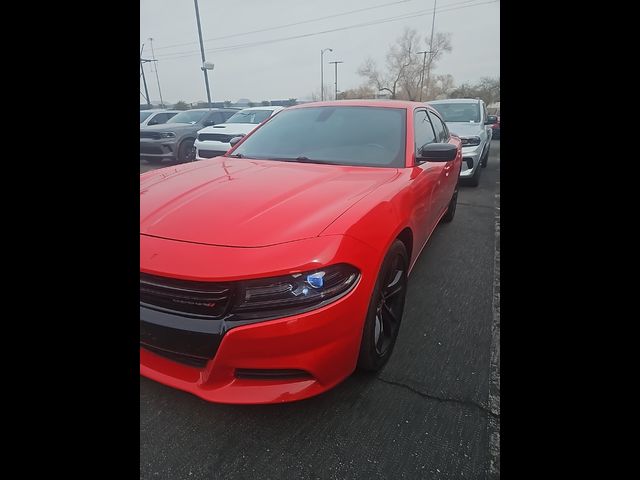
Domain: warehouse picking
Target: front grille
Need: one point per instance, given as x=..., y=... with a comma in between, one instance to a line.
x=154, y=135
x=210, y=153
x=217, y=137
x=178, y=357
x=195, y=299
x=152, y=149
x=191, y=348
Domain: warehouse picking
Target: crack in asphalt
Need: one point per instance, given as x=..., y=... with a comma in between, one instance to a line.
x=467, y=403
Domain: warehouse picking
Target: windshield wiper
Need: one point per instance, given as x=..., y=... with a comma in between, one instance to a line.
x=303, y=159
x=237, y=155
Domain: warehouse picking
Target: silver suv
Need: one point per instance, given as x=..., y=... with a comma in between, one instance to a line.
x=467, y=118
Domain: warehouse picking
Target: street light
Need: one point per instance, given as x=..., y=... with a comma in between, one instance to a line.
x=336, y=77
x=322, y=71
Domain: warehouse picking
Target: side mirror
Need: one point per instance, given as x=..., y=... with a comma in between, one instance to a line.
x=437, y=152
x=491, y=120
x=152, y=122
x=235, y=140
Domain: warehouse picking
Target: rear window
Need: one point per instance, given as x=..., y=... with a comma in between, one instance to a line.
x=458, y=112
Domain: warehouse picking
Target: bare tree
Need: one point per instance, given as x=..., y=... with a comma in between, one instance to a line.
x=441, y=86
x=441, y=45
x=488, y=89
x=361, y=92
x=403, y=66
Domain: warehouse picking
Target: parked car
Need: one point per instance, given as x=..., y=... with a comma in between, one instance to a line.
x=494, y=123
x=268, y=274
x=214, y=141
x=156, y=117
x=174, y=140
x=466, y=118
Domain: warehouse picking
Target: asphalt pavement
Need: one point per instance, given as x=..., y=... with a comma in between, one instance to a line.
x=432, y=412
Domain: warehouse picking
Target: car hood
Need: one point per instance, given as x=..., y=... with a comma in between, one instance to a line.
x=465, y=129
x=230, y=128
x=171, y=127
x=250, y=203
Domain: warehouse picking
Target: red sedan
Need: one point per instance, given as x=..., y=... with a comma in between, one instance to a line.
x=269, y=274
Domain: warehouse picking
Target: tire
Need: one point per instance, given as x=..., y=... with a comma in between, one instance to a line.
x=451, y=210
x=186, y=151
x=474, y=181
x=389, y=294
x=485, y=159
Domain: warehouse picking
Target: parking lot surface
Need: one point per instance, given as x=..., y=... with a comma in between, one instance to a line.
x=427, y=414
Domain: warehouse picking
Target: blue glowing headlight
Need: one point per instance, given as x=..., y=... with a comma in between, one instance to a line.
x=316, y=280
x=288, y=294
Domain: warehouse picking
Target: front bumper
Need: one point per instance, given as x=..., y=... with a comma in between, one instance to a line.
x=322, y=344
x=206, y=149
x=471, y=160
x=158, y=149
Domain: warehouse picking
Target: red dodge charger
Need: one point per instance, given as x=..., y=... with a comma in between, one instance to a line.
x=270, y=273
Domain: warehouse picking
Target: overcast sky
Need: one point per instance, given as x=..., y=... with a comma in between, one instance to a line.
x=291, y=68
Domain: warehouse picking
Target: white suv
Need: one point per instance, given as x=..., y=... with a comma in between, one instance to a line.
x=467, y=118
x=214, y=141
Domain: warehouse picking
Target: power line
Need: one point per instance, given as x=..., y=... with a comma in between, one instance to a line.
x=418, y=13
x=302, y=22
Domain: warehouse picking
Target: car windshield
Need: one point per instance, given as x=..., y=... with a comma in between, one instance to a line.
x=249, y=116
x=188, y=117
x=458, y=112
x=359, y=136
x=144, y=116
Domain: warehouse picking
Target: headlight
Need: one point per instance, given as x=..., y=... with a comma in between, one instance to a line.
x=167, y=135
x=291, y=294
x=470, y=141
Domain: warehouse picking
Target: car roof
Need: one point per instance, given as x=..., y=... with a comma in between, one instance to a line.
x=363, y=103
x=456, y=100
x=207, y=109
x=263, y=107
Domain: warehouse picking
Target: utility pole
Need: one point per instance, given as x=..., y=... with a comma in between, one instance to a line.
x=206, y=76
x=153, y=55
x=336, y=77
x=322, y=71
x=144, y=80
x=424, y=61
x=433, y=22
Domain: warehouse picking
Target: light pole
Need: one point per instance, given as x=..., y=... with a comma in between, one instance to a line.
x=336, y=77
x=203, y=67
x=322, y=71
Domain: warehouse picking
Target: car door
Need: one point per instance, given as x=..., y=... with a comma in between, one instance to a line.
x=425, y=178
x=448, y=177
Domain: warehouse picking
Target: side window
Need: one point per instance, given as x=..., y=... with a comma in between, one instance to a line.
x=154, y=120
x=213, y=119
x=442, y=133
x=162, y=118
x=423, y=131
